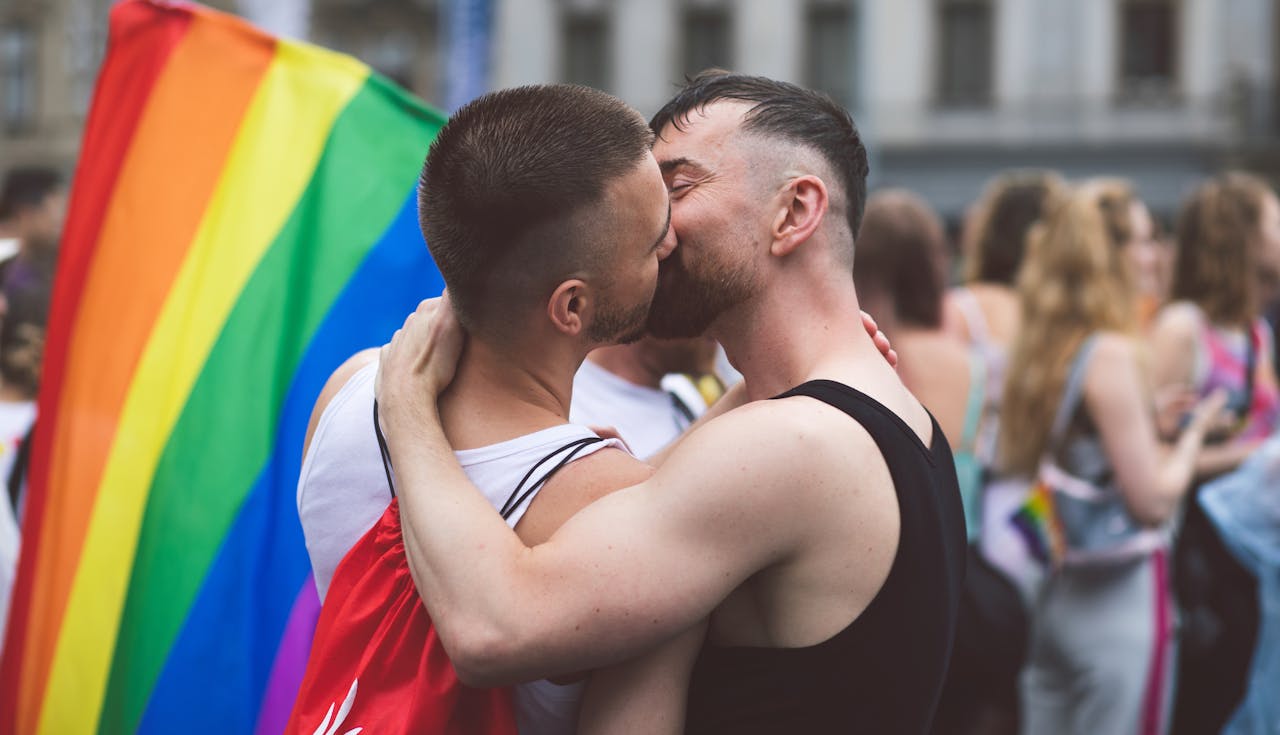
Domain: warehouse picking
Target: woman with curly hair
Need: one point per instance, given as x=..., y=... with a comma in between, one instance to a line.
x=1076, y=397
x=1213, y=337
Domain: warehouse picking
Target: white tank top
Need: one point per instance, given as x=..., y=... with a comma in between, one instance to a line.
x=342, y=492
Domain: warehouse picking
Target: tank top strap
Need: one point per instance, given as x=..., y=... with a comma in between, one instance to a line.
x=537, y=476
x=976, y=402
x=886, y=428
x=1073, y=390
x=971, y=310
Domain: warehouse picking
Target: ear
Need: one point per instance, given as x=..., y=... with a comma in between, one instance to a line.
x=567, y=305
x=803, y=205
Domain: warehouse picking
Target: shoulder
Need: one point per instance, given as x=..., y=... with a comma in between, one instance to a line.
x=1113, y=367
x=579, y=484
x=794, y=442
x=1180, y=319
x=332, y=387
x=1110, y=351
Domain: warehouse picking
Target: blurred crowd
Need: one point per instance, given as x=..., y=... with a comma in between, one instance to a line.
x=1093, y=369
x=32, y=208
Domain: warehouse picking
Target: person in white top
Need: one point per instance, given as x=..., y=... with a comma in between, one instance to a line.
x=641, y=390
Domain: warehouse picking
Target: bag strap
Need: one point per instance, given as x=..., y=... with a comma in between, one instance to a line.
x=570, y=451
x=18, y=473
x=1253, y=347
x=382, y=447
x=974, y=319
x=1071, y=392
x=520, y=494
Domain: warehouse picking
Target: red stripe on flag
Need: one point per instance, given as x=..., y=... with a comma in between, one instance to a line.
x=127, y=77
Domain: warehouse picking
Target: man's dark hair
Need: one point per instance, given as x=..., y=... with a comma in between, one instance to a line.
x=504, y=176
x=1011, y=205
x=901, y=250
x=27, y=187
x=787, y=112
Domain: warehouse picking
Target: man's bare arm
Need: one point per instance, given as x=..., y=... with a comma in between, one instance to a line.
x=626, y=573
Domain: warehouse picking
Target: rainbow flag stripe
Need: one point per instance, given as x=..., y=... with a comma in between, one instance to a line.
x=243, y=218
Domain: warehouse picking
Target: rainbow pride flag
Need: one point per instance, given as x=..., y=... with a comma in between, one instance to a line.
x=242, y=219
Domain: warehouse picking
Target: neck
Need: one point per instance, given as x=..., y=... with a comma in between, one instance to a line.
x=501, y=392
x=630, y=362
x=776, y=351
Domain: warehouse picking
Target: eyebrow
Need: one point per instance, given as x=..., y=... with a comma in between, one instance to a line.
x=674, y=163
x=665, y=229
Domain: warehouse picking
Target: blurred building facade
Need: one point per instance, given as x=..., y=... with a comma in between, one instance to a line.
x=947, y=91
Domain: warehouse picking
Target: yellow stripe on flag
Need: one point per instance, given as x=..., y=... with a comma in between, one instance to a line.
x=280, y=142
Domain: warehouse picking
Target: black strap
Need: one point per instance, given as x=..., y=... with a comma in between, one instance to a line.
x=573, y=448
x=682, y=408
x=516, y=499
x=382, y=447
x=1250, y=368
x=18, y=473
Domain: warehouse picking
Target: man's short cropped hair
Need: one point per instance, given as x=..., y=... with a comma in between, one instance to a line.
x=504, y=178
x=787, y=112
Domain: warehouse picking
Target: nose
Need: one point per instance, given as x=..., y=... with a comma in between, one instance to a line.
x=668, y=243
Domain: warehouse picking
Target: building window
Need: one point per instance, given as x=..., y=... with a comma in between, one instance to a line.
x=706, y=38
x=586, y=48
x=965, y=33
x=1148, y=52
x=830, y=62
x=17, y=78
x=399, y=40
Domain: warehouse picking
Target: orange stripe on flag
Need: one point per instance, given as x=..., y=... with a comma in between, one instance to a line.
x=187, y=130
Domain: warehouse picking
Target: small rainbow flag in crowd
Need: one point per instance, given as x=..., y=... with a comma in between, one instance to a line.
x=1036, y=520
x=243, y=218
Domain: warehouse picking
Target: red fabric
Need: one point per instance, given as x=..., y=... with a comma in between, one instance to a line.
x=374, y=630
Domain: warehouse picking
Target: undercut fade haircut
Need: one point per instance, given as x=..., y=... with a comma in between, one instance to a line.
x=783, y=111
x=503, y=174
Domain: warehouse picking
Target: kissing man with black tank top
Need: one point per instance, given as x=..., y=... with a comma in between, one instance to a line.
x=817, y=538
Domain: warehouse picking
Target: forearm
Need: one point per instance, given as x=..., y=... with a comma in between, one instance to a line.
x=1221, y=458
x=508, y=613
x=647, y=694
x=1173, y=479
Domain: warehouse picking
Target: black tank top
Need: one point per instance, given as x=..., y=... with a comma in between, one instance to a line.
x=884, y=672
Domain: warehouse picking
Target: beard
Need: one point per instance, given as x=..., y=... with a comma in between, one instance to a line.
x=686, y=303
x=617, y=323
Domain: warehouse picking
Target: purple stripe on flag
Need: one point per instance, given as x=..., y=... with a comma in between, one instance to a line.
x=291, y=661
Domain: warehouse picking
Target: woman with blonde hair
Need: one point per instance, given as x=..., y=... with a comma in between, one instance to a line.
x=1076, y=401
x=1212, y=337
